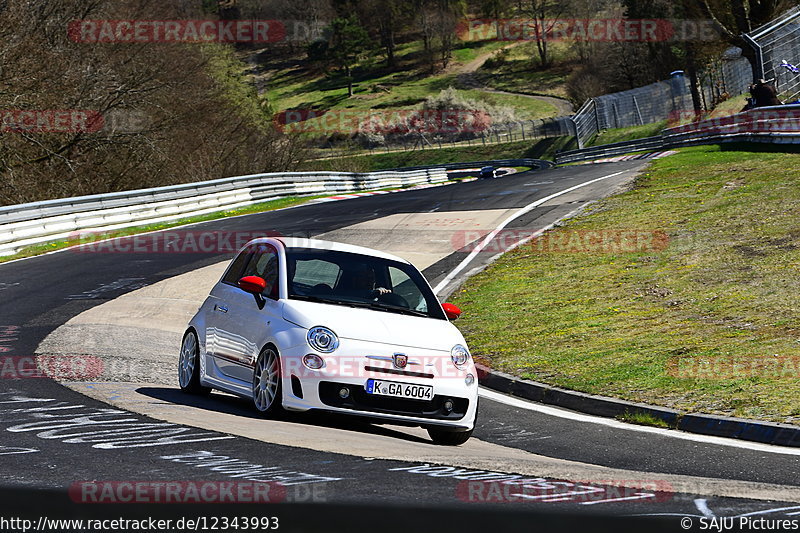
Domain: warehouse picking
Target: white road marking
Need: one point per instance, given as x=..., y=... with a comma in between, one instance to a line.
x=707, y=439
x=754, y=513
x=767, y=511
x=11, y=450
x=702, y=506
x=636, y=496
x=528, y=208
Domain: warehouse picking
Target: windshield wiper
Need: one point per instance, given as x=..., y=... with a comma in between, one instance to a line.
x=397, y=309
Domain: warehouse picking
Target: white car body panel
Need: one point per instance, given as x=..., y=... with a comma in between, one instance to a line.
x=230, y=341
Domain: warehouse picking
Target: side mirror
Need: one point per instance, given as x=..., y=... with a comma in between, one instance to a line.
x=252, y=284
x=451, y=311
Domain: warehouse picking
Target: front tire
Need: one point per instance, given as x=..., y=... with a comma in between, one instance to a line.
x=189, y=365
x=444, y=437
x=267, y=390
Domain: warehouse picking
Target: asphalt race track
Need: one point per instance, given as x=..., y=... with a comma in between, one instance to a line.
x=137, y=426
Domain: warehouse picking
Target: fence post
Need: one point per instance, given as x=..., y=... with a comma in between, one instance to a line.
x=759, y=54
x=577, y=136
x=596, y=116
x=638, y=111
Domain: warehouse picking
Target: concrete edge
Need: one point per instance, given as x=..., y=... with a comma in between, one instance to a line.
x=704, y=424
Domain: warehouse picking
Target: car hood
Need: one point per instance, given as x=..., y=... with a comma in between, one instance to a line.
x=374, y=326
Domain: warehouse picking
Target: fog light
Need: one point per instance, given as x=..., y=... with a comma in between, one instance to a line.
x=469, y=380
x=448, y=405
x=313, y=361
x=344, y=392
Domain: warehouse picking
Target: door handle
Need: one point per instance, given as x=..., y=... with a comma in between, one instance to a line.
x=221, y=308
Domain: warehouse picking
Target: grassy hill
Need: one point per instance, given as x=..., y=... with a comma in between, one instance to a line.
x=297, y=85
x=704, y=321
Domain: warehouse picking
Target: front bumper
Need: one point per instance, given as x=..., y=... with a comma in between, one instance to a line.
x=356, y=362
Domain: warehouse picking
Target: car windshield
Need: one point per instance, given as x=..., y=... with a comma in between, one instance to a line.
x=357, y=280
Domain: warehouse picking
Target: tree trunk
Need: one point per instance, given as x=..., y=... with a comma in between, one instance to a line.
x=387, y=38
x=349, y=81
x=391, y=62
x=691, y=67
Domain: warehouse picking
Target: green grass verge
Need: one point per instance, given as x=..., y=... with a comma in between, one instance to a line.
x=517, y=71
x=542, y=149
x=730, y=106
x=616, y=135
x=709, y=323
x=377, y=88
x=643, y=419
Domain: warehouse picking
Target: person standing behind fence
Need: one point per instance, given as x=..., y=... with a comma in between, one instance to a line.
x=764, y=93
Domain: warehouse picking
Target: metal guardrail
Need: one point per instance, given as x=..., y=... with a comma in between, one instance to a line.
x=534, y=164
x=776, y=124
x=608, y=150
x=39, y=222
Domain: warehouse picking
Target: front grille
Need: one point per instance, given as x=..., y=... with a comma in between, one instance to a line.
x=398, y=372
x=361, y=401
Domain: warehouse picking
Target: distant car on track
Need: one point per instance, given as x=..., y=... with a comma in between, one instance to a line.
x=303, y=324
x=488, y=172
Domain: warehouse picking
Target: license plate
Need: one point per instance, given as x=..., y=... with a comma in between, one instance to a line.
x=399, y=390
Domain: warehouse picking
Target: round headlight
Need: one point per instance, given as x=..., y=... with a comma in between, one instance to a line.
x=322, y=339
x=459, y=355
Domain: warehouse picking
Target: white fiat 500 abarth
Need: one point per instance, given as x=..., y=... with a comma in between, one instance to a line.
x=302, y=324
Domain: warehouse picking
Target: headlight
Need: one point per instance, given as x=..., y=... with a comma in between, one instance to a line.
x=322, y=339
x=459, y=355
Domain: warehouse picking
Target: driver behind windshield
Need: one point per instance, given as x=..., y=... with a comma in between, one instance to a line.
x=359, y=281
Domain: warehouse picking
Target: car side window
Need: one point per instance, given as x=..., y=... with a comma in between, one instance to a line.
x=234, y=273
x=264, y=264
x=405, y=287
x=315, y=271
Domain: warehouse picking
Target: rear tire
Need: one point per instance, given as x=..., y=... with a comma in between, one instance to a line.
x=445, y=437
x=189, y=366
x=267, y=389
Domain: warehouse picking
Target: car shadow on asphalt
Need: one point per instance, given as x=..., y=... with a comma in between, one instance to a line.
x=233, y=405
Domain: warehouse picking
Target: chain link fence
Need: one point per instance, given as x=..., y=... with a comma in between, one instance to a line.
x=778, y=44
x=778, y=47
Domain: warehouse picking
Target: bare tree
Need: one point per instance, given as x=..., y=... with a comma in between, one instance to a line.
x=737, y=17
x=438, y=20
x=167, y=119
x=544, y=16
